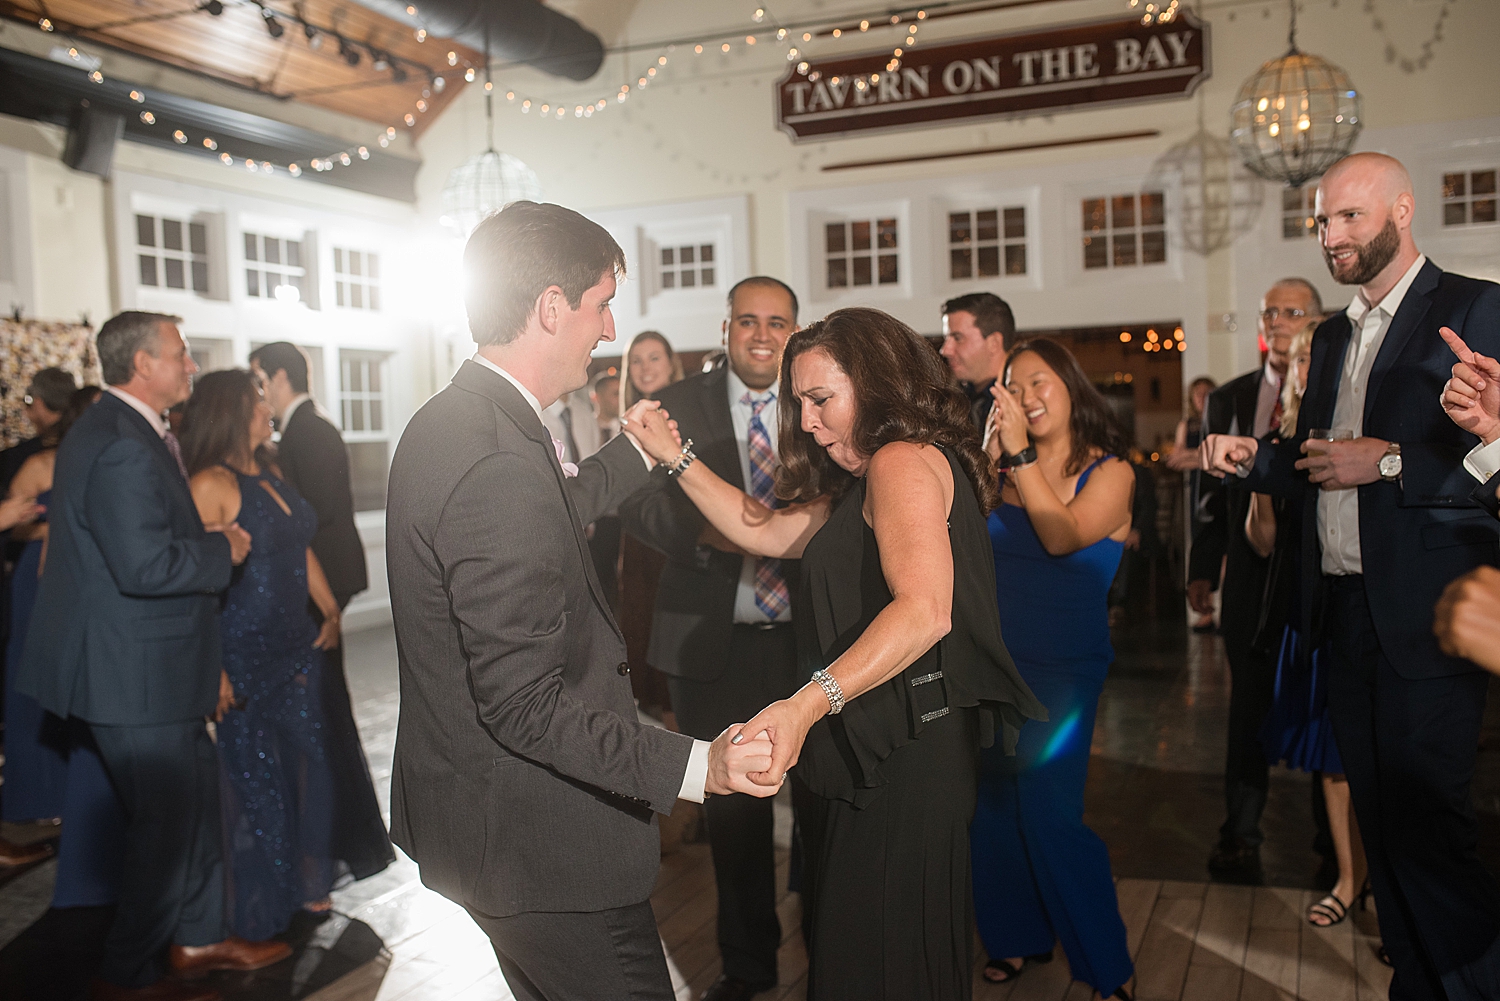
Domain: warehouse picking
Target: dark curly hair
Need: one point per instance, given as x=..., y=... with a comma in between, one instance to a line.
x=902, y=391
x=1092, y=428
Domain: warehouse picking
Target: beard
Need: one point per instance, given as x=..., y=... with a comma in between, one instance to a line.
x=1369, y=259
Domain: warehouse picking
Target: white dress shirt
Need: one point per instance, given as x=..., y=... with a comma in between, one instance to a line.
x=1338, y=510
x=1483, y=461
x=746, y=611
x=158, y=423
x=695, y=778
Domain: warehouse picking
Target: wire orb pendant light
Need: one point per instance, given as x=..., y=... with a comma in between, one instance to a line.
x=485, y=184
x=1295, y=117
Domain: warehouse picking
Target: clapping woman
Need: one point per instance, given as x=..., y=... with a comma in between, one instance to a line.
x=1040, y=874
x=277, y=792
x=906, y=675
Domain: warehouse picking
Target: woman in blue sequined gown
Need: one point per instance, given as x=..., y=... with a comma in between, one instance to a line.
x=1040, y=874
x=277, y=785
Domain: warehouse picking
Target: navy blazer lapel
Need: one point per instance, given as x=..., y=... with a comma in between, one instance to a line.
x=1408, y=317
x=478, y=379
x=131, y=420
x=1247, y=402
x=1330, y=343
x=721, y=424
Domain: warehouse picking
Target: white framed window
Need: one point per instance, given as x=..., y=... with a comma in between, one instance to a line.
x=356, y=279
x=861, y=252
x=1469, y=197
x=693, y=265
x=363, y=411
x=987, y=243
x=1297, y=219
x=1124, y=231
x=275, y=268
x=171, y=253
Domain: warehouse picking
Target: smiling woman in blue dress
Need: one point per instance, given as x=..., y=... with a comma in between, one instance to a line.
x=1040, y=874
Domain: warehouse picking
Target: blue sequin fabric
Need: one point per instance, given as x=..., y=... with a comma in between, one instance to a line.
x=277, y=796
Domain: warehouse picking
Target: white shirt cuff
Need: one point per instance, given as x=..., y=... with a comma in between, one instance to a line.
x=696, y=777
x=1483, y=461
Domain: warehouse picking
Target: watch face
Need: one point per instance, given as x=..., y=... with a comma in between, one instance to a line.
x=1390, y=466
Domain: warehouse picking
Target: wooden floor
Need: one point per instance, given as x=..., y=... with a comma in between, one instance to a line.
x=1191, y=942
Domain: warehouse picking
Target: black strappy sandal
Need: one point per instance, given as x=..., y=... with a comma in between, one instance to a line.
x=1331, y=908
x=1010, y=970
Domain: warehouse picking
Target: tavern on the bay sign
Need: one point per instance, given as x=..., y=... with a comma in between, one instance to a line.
x=1083, y=65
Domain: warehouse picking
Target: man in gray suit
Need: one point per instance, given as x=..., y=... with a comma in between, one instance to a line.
x=524, y=785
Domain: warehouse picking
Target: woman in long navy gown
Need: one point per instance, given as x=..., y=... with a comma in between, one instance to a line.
x=1040, y=874
x=277, y=784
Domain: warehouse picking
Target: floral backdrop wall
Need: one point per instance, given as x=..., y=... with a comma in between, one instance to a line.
x=27, y=346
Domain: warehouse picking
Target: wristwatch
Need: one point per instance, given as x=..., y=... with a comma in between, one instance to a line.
x=1024, y=457
x=1390, y=462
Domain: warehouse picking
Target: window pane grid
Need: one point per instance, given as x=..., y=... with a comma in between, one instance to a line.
x=987, y=243
x=178, y=257
x=1469, y=197
x=356, y=277
x=862, y=252
x=690, y=266
x=1297, y=212
x=1124, y=231
x=273, y=263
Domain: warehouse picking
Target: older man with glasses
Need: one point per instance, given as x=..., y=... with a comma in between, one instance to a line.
x=1251, y=405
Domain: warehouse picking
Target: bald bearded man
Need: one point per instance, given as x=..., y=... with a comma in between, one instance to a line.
x=1388, y=521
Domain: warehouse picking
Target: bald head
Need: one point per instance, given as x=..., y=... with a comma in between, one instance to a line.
x=1381, y=175
x=1364, y=213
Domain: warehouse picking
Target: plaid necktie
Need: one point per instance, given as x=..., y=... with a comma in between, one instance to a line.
x=771, y=595
x=175, y=447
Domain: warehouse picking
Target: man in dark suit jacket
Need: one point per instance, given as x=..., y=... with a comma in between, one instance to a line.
x=728, y=649
x=978, y=329
x=1251, y=405
x=315, y=463
x=1388, y=521
x=125, y=636
x=524, y=785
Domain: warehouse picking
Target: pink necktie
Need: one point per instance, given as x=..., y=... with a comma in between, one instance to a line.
x=175, y=447
x=568, y=468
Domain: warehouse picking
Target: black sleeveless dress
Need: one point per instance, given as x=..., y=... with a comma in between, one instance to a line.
x=885, y=790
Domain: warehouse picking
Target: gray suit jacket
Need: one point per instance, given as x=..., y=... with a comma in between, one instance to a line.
x=523, y=780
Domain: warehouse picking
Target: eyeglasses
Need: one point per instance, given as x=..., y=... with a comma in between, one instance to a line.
x=1270, y=315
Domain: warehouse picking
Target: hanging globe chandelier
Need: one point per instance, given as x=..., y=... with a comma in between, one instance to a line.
x=482, y=186
x=1218, y=199
x=485, y=184
x=1294, y=117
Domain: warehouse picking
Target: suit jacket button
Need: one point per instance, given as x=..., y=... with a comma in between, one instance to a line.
x=624, y=668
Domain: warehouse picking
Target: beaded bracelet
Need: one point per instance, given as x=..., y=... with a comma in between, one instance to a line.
x=832, y=689
x=684, y=459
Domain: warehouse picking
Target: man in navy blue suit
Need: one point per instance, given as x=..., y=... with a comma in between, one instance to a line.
x=1388, y=521
x=125, y=636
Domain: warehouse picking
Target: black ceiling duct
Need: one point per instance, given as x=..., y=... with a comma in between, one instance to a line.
x=520, y=31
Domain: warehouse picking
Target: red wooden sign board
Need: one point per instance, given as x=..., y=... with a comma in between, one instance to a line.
x=1073, y=66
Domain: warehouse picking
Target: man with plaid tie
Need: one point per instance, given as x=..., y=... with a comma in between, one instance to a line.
x=722, y=629
x=1248, y=405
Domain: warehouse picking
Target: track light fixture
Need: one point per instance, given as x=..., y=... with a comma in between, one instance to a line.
x=273, y=26
x=214, y=7
x=314, y=38
x=349, y=52
x=398, y=74
x=381, y=63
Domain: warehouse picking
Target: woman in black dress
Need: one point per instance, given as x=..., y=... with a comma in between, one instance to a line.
x=900, y=638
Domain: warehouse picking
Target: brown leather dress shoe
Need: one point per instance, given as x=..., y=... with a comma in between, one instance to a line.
x=234, y=953
x=12, y=854
x=162, y=990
